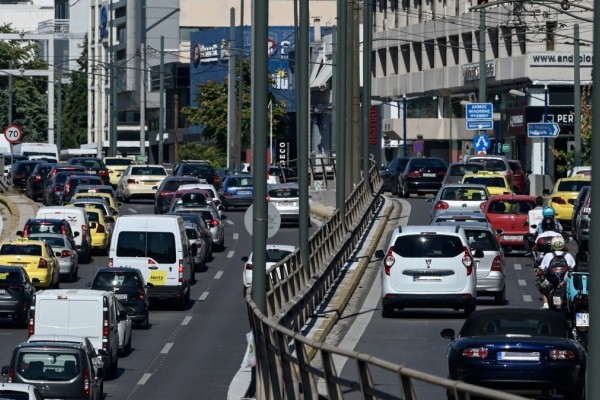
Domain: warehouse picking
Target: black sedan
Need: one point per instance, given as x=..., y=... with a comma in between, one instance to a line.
x=16, y=292
x=525, y=351
x=94, y=166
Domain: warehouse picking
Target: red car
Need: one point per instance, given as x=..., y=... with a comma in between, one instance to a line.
x=509, y=213
x=519, y=177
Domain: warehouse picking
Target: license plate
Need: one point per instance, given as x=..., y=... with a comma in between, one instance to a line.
x=428, y=175
x=556, y=300
x=518, y=356
x=202, y=180
x=149, y=183
x=121, y=296
x=427, y=279
x=18, y=265
x=512, y=237
x=582, y=319
x=244, y=192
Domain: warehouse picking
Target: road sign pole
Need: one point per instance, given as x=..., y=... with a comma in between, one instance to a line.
x=545, y=150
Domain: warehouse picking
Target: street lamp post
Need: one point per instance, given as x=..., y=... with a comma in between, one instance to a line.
x=497, y=127
x=405, y=149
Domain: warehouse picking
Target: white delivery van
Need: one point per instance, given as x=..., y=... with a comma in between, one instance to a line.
x=158, y=246
x=78, y=219
x=79, y=312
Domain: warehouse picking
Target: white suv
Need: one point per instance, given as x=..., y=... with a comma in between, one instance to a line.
x=428, y=267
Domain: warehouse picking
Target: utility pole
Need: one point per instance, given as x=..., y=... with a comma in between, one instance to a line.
x=10, y=94
x=577, y=96
x=231, y=99
x=176, y=128
x=340, y=105
x=482, y=63
x=112, y=134
x=59, y=109
x=302, y=61
x=161, y=116
x=366, y=97
x=143, y=99
x=237, y=142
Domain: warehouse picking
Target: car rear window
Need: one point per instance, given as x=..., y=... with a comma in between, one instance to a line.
x=517, y=324
x=571, y=186
x=44, y=227
x=118, y=161
x=520, y=207
x=276, y=255
x=431, y=163
x=486, y=181
x=494, y=165
x=22, y=249
x=482, y=240
x=241, y=182
x=88, y=163
x=148, y=171
x=48, y=365
x=197, y=169
x=427, y=245
x=282, y=193
x=516, y=167
x=463, y=194
x=93, y=217
x=172, y=185
x=160, y=246
x=10, y=277
x=462, y=169
x=110, y=280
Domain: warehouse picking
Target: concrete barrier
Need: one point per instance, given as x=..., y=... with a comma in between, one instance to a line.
x=12, y=222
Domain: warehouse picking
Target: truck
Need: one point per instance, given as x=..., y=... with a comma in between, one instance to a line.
x=36, y=151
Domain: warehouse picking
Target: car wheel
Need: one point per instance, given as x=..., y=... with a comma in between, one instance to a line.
x=146, y=323
x=128, y=345
x=468, y=310
x=500, y=297
x=113, y=368
x=405, y=192
x=387, y=311
x=73, y=276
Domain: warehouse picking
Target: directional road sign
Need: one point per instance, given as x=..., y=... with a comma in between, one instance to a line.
x=481, y=142
x=542, y=129
x=479, y=124
x=480, y=111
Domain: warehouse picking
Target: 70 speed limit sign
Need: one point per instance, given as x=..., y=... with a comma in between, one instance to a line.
x=13, y=133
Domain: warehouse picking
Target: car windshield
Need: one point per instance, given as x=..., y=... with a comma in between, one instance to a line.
x=486, y=181
x=118, y=161
x=517, y=323
x=463, y=194
x=110, y=280
x=462, y=169
x=148, y=171
x=21, y=249
x=428, y=245
x=51, y=240
x=571, y=186
x=481, y=239
x=89, y=163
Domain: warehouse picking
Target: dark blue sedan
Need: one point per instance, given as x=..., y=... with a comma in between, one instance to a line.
x=524, y=351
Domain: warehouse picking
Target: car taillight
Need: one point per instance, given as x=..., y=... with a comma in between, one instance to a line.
x=389, y=260
x=11, y=375
x=442, y=173
x=558, y=200
x=110, y=171
x=268, y=198
x=110, y=263
x=134, y=181
x=105, y=328
x=180, y=271
x=482, y=205
x=63, y=230
x=66, y=253
x=414, y=174
x=248, y=266
x=497, y=264
x=103, y=173
x=476, y=352
x=84, y=232
x=26, y=231
x=43, y=263
x=67, y=187
x=581, y=302
x=57, y=188
x=86, y=383
x=558, y=354
x=31, y=327
x=216, y=180
x=467, y=261
x=165, y=193
x=214, y=222
x=37, y=178
x=226, y=194
x=100, y=229
x=141, y=294
x=441, y=205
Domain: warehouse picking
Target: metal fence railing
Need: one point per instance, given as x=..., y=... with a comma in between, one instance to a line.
x=286, y=362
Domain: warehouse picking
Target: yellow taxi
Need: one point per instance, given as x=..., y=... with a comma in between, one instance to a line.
x=37, y=259
x=116, y=166
x=112, y=202
x=564, y=194
x=496, y=183
x=100, y=229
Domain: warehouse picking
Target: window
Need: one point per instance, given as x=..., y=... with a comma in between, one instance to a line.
x=49, y=366
x=482, y=240
x=23, y=250
x=432, y=246
x=160, y=246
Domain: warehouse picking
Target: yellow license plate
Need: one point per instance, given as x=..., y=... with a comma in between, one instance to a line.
x=158, y=277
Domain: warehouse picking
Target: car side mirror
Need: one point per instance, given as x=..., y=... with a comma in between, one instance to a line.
x=99, y=372
x=35, y=280
x=110, y=219
x=58, y=254
x=478, y=253
x=76, y=234
x=379, y=254
x=149, y=285
x=245, y=259
x=88, y=284
x=499, y=231
x=221, y=208
x=123, y=315
x=20, y=233
x=93, y=225
x=194, y=248
x=428, y=200
x=448, y=333
x=5, y=369
x=119, y=204
x=65, y=203
x=507, y=249
x=154, y=187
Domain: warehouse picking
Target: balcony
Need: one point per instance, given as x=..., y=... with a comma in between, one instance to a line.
x=54, y=26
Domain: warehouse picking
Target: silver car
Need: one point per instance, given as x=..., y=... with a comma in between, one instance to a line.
x=459, y=217
x=65, y=251
x=210, y=215
x=459, y=197
x=285, y=197
x=195, y=238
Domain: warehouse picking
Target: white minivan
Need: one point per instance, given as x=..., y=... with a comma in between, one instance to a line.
x=158, y=246
x=78, y=219
x=80, y=312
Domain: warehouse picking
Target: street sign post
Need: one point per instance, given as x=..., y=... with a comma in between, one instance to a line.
x=480, y=111
x=479, y=124
x=542, y=129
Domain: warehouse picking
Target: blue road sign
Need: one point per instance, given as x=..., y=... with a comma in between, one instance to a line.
x=479, y=124
x=542, y=129
x=481, y=142
x=480, y=111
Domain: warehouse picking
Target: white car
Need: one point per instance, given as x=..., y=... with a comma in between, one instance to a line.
x=286, y=198
x=275, y=253
x=124, y=327
x=428, y=267
x=459, y=197
x=140, y=181
x=214, y=194
x=21, y=391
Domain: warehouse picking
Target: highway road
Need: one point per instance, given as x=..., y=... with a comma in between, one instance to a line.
x=412, y=338
x=191, y=353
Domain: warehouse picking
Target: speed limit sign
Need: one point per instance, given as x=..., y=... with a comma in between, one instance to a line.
x=13, y=133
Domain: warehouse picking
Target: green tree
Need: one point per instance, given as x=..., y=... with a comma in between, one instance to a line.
x=565, y=160
x=29, y=97
x=203, y=151
x=75, y=104
x=211, y=111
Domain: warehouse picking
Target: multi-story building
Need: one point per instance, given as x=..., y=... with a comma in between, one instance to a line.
x=429, y=53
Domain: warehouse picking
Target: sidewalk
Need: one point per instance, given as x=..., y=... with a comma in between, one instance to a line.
x=20, y=208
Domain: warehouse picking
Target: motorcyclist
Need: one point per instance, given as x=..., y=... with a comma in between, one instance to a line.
x=549, y=212
x=548, y=227
x=558, y=250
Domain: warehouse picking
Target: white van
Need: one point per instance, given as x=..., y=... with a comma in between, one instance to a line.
x=79, y=312
x=158, y=246
x=78, y=219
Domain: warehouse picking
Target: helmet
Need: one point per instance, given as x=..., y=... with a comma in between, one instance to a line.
x=557, y=243
x=548, y=224
x=548, y=212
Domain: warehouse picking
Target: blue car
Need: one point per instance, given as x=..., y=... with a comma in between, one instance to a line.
x=525, y=351
x=237, y=191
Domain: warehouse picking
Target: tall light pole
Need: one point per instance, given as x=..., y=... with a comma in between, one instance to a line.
x=404, y=146
x=497, y=127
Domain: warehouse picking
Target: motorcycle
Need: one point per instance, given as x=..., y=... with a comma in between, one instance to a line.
x=576, y=302
x=550, y=284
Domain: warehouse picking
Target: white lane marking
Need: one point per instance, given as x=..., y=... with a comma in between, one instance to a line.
x=229, y=222
x=132, y=210
x=518, y=267
x=166, y=349
x=236, y=236
x=522, y=282
x=230, y=254
x=527, y=298
x=144, y=378
x=218, y=275
x=203, y=296
x=186, y=320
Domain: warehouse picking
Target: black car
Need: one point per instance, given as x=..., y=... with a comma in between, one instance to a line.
x=75, y=180
x=40, y=225
x=53, y=187
x=166, y=190
x=130, y=289
x=201, y=170
x=389, y=175
x=422, y=175
x=34, y=187
x=21, y=170
x=94, y=165
x=16, y=293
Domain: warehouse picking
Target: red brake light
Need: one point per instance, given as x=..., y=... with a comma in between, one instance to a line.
x=180, y=271
x=441, y=205
x=57, y=188
x=467, y=261
x=558, y=200
x=43, y=263
x=497, y=264
x=110, y=263
x=482, y=205
x=31, y=327
x=103, y=173
x=414, y=174
x=214, y=222
x=473, y=352
x=66, y=253
x=26, y=231
x=134, y=181
x=141, y=294
x=248, y=266
x=216, y=180
x=84, y=230
x=388, y=261
x=86, y=383
x=37, y=178
x=442, y=173
x=63, y=230
x=11, y=375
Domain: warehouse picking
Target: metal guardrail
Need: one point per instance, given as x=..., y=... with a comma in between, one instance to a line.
x=286, y=362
